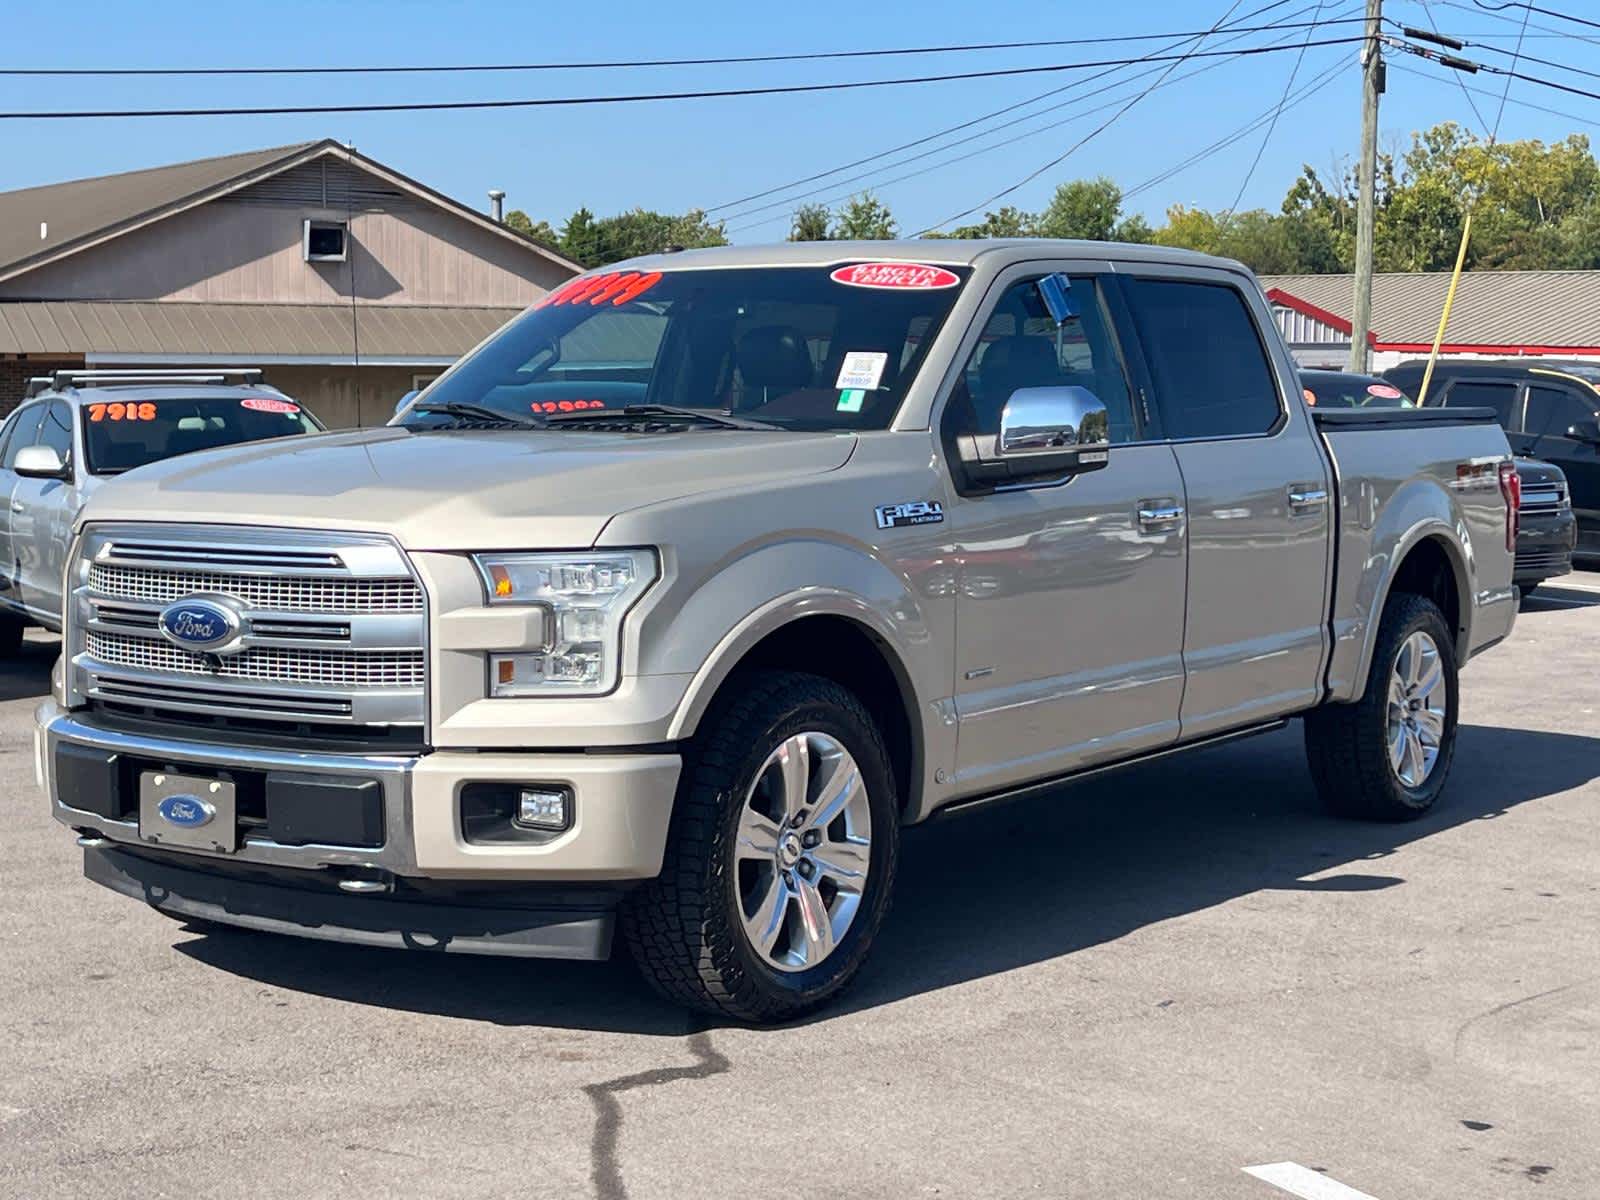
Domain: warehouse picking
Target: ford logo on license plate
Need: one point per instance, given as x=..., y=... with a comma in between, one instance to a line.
x=198, y=624
x=186, y=812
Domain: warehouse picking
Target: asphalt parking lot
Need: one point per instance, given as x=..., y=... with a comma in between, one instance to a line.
x=1136, y=988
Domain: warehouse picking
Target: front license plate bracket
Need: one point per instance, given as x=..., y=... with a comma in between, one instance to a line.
x=188, y=811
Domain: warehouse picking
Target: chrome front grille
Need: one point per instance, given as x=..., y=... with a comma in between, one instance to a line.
x=286, y=593
x=1543, y=497
x=332, y=626
x=318, y=668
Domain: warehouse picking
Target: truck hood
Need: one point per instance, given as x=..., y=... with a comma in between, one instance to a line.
x=459, y=490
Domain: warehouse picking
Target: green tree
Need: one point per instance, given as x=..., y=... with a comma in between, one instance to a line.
x=595, y=243
x=1009, y=222
x=537, y=231
x=1083, y=208
x=810, y=223
x=864, y=218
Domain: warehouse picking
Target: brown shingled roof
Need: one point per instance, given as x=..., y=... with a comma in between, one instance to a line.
x=244, y=331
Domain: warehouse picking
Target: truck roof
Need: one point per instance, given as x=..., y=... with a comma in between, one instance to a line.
x=945, y=252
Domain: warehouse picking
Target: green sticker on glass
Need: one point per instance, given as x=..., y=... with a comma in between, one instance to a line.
x=851, y=399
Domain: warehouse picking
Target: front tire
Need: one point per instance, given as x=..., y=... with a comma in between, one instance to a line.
x=1386, y=757
x=781, y=857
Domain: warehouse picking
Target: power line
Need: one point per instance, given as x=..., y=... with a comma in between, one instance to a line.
x=636, y=98
x=1431, y=77
x=984, y=149
x=460, y=68
x=1234, y=33
x=1317, y=83
x=1543, y=62
x=1471, y=103
x=1515, y=57
x=1031, y=176
x=1547, y=30
x=1534, y=8
x=1288, y=86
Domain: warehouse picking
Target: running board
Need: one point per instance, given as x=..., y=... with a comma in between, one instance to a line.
x=960, y=807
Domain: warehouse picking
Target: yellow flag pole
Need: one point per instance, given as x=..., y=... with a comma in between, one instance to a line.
x=1449, y=301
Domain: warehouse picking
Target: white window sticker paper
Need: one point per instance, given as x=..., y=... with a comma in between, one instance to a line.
x=862, y=369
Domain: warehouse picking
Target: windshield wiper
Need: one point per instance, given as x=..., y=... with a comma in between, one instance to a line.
x=480, y=414
x=634, y=412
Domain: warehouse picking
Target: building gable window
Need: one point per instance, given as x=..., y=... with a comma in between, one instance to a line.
x=324, y=241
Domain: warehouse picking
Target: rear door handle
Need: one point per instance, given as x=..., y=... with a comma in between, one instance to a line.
x=18, y=506
x=1306, y=497
x=1160, y=516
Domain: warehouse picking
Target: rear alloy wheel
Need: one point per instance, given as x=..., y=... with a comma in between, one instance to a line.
x=1418, y=701
x=1386, y=756
x=781, y=856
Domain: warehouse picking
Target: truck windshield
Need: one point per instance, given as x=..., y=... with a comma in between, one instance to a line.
x=119, y=435
x=806, y=348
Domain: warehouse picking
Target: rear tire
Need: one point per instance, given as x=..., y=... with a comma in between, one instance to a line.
x=781, y=856
x=1387, y=756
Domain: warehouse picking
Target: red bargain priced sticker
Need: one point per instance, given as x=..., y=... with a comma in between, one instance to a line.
x=896, y=276
x=268, y=404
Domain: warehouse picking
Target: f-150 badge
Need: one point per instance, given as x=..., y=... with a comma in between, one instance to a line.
x=911, y=512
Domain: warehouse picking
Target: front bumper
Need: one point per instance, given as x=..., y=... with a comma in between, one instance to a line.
x=622, y=805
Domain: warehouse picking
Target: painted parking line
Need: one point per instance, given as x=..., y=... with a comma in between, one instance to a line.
x=1304, y=1182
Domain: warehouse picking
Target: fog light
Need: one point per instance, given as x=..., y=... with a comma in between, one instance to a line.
x=543, y=808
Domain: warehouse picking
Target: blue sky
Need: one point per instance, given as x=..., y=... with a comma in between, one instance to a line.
x=671, y=156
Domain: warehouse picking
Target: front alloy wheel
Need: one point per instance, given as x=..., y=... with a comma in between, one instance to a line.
x=803, y=852
x=781, y=857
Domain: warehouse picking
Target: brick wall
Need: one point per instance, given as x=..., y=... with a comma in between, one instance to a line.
x=15, y=373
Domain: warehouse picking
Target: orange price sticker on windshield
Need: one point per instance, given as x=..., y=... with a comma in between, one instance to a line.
x=118, y=411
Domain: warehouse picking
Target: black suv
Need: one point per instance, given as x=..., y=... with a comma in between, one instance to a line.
x=1550, y=409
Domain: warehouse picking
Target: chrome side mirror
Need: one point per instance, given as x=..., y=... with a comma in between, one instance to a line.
x=1047, y=435
x=1048, y=420
x=39, y=462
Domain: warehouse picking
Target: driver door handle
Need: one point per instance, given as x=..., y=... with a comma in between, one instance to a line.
x=1160, y=516
x=18, y=506
x=1304, y=497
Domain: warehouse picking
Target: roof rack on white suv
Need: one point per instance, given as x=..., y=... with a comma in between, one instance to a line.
x=113, y=378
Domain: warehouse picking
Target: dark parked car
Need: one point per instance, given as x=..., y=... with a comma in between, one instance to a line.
x=1550, y=409
x=1546, y=529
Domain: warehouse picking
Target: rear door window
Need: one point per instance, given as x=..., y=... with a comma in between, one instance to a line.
x=1209, y=365
x=1476, y=393
x=1552, y=411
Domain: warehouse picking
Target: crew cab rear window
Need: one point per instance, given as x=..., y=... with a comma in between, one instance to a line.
x=1471, y=393
x=122, y=434
x=1206, y=357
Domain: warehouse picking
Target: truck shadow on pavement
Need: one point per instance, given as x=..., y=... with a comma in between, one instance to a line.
x=997, y=889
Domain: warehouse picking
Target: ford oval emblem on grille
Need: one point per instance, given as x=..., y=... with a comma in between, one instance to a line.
x=198, y=624
x=186, y=812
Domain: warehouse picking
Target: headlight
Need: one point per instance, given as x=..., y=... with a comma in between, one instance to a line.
x=584, y=598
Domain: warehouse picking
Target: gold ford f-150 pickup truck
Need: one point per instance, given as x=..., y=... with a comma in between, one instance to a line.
x=667, y=607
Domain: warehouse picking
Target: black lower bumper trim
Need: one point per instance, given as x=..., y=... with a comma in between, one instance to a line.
x=565, y=932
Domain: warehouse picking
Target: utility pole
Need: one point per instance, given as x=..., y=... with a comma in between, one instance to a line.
x=1367, y=184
